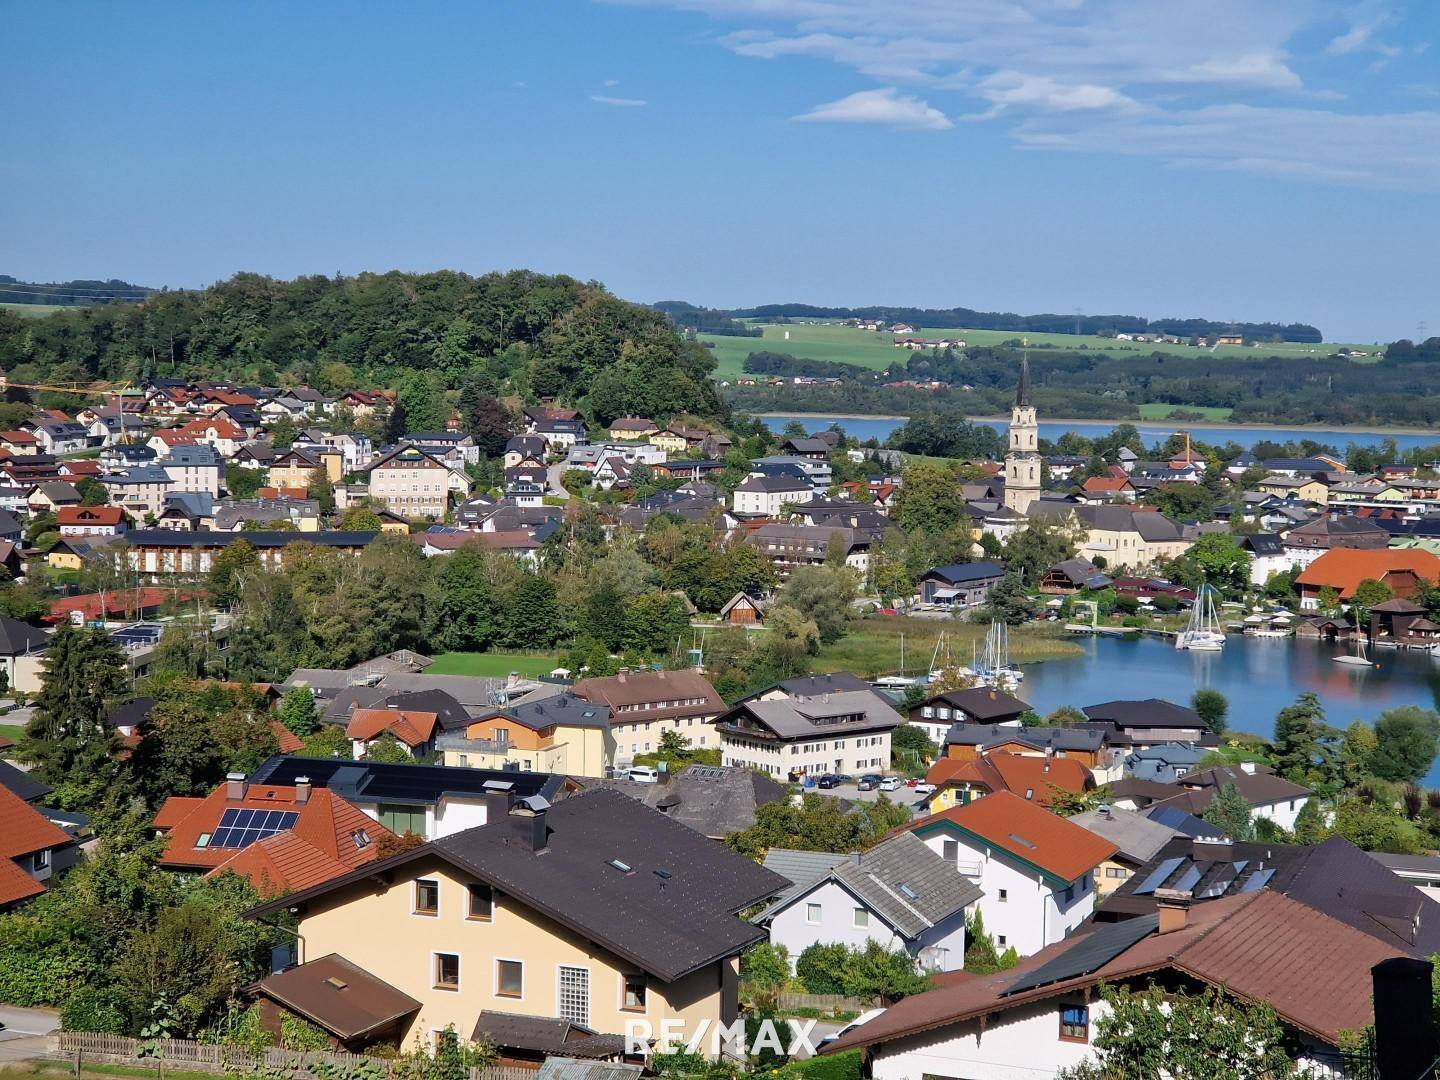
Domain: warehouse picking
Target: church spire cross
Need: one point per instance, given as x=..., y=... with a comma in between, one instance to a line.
x=1022, y=389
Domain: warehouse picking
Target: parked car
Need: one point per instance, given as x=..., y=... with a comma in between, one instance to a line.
x=890, y=783
x=924, y=789
x=828, y=781
x=844, y=778
x=863, y=1018
x=870, y=782
x=644, y=774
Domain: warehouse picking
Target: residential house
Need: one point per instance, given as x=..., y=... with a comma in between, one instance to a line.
x=557, y=733
x=765, y=496
x=1088, y=744
x=33, y=850
x=1041, y=1017
x=218, y=431
x=1165, y=762
x=1271, y=797
x=1072, y=576
x=20, y=442
x=815, y=449
x=593, y=911
x=1421, y=871
x=900, y=895
x=809, y=726
x=524, y=449
x=231, y=515
x=743, y=609
x=644, y=705
x=1306, y=543
x=1035, y=869
x=975, y=705
x=790, y=546
x=1149, y=722
x=410, y=482
x=1342, y=569
x=1100, y=489
x=281, y=837
x=961, y=585
x=1137, y=838
x=191, y=511
x=1267, y=555
x=633, y=428
x=140, y=490
x=713, y=800
x=298, y=468
x=1044, y=781
x=162, y=552
x=440, y=443
x=197, y=467
x=1308, y=488
x=412, y=729
x=560, y=435
x=22, y=649
x=51, y=495
x=60, y=436
x=1124, y=536
x=816, y=470
x=366, y=403
x=90, y=520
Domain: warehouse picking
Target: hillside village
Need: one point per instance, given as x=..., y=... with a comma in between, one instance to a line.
x=223, y=610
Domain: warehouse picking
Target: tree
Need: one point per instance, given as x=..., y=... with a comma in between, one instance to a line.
x=1184, y=502
x=1303, y=751
x=1230, y=813
x=910, y=739
x=1036, y=548
x=69, y=739
x=533, y=618
x=1405, y=743
x=1171, y=1032
x=386, y=748
x=818, y=824
x=1221, y=562
x=823, y=594
x=419, y=406
x=229, y=570
x=1357, y=749
x=467, y=610
x=360, y=519
x=489, y=424
x=1367, y=594
x=297, y=712
x=929, y=499
x=1065, y=715
x=1212, y=707
x=1009, y=601
x=821, y=967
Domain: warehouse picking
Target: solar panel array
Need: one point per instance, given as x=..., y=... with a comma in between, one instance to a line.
x=241, y=828
x=1089, y=954
x=138, y=635
x=1157, y=877
x=1213, y=878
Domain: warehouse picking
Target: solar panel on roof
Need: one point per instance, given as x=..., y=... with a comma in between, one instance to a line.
x=1158, y=876
x=1222, y=880
x=1258, y=880
x=1188, y=879
x=241, y=828
x=1088, y=954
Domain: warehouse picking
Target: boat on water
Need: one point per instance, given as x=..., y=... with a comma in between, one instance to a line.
x=1358, y=657
x=1203, y=632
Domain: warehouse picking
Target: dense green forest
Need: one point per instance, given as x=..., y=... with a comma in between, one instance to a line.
x=1403, y=388
x=538, y=335
x=970, y=319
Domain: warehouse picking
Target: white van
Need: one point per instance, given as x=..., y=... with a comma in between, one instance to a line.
x=644, y=774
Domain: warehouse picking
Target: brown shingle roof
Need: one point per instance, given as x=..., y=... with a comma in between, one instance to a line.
x=1314, y=971
x=641, y=688
x=1015, y=773
x=411, y=728
x=343, y=998
x=1027, y=832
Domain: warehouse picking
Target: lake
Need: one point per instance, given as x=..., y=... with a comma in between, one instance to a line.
x=866, y=427
x=1259, y=676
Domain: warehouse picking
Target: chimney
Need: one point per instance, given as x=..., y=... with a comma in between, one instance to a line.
x=620, y=675
x=1405, y=1038
x=528, y=815
x=1174, y=909
x=302, y=790
x=1248, y=767
x=235, y=786
x=854, y=858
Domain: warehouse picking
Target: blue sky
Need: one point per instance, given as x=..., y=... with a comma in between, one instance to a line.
x=1234, y=159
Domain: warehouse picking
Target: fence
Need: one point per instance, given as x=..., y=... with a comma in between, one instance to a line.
x=823, y=1002
x=162, y=1054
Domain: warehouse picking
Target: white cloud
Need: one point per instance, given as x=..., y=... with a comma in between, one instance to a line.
x=1259, y=69
x=618, y=102
x=611, y=82
x=884, y=106
x=1042, y=92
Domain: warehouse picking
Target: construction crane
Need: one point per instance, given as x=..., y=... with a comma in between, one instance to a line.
x=116, y=390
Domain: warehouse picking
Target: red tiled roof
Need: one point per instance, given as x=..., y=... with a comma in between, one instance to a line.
x=1106, y=483
x=89, y=515
x=1342, y=569
x=1016, y=773
x=326, y=822
x=223, y=427
x=1028, y=832
x=23, y=830
x=23, y=438
x=410, y=727
x=82, y=467
x=290, y=743
x=118, y=602
x=282, y=863
x=1313, y=970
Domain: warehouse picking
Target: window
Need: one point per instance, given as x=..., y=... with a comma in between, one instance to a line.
x=427, y=896
x=41, y=859
x=952, y=851
x=632, y=993
x=482, y=903
x=203, y=840
x=1116, y=872
x=1000, y=940
x=509, y=978
x=575, y=994
x=402, y=819
x=862, y=918
x=812, y=913
x=1003, y=895
x=447, y=971
x=1075, y=1023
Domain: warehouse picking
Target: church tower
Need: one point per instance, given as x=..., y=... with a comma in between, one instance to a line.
x=1022, y=463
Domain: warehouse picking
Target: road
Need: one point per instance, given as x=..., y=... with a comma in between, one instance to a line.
x=24, y=1033
x=552, y=476
x=904, y=795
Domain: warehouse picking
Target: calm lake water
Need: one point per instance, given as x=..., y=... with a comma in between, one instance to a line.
x=865, y=427
x=1259, y=676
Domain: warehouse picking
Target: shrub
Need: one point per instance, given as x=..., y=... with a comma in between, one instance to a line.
x=94, y=1009
x=822, y=968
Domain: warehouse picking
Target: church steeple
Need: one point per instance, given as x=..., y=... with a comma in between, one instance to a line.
x=1022, y=389
x=1022, y=463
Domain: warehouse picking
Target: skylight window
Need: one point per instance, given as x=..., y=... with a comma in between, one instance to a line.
x=623, y=867
x=1021, y=841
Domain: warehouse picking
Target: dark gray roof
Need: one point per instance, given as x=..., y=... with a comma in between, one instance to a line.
x=545, y=1035
x=411, y=785
x=1146, y=713
x=562, y=1068
x=775, y=484
x=955, y=573
x=205, y=538
x=909, y=886
x=713, y=800
x=807, y=717
x=801, y=868
x=21, y=784
x=18, y=638
x=1060, y=738
x=981, y=702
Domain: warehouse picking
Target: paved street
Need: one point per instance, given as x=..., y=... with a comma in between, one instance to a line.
x=23, y=1036
x=904, y=795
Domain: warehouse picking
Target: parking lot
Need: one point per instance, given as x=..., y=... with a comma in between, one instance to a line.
x=904, y=795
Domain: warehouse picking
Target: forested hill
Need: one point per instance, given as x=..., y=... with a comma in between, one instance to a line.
x=81, y=291
x=969, y=319
x=549, y=336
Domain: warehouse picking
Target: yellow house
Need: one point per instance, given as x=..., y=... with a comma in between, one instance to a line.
x=597, y=910
x=560, y=734
x=633, y=429
x=296, y=469
x=1297, y=487
x=671, y=442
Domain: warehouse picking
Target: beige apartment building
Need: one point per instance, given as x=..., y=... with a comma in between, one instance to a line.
x=646, y=704
x=409, y=482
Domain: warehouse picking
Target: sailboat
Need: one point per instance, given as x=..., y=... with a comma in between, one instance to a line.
x=1001, y=673
x=1203, y=632
x=1358, y=657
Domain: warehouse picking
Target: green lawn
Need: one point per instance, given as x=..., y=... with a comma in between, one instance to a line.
x=493, y=664
x=13, y=732
x=1160, y=410
x=850, y=345
x=35, y=311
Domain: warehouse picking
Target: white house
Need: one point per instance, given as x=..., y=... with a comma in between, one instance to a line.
x=763, y=496
x=1271, y=797
x=809, y=726
x=1036, y=869
x=899, y=894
